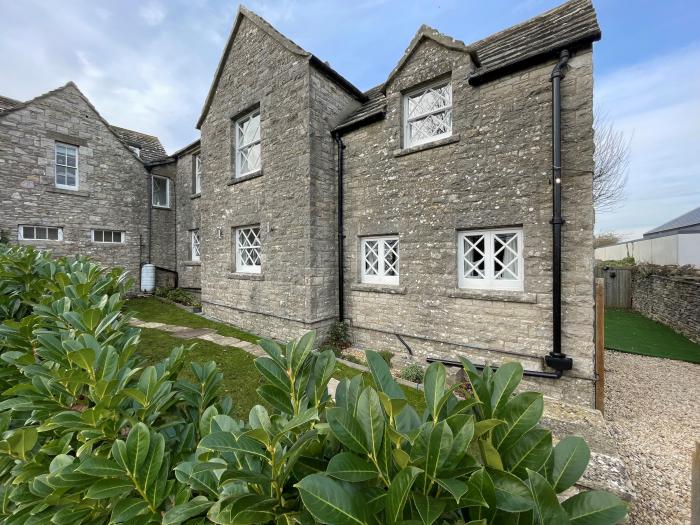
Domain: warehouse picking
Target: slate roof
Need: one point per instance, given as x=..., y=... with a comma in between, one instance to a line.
x=151, y=148
x=7, y=103
x=571, y=25
x=692, y=218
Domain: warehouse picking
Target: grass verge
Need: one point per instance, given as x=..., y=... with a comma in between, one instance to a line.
x=631, y=332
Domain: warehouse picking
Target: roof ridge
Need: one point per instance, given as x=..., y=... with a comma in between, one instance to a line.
x=42, y=96
x=134, y=131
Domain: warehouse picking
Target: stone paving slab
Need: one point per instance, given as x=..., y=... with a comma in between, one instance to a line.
x=193, y=332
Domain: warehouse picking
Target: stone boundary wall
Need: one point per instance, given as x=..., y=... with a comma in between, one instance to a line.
x=674, y=301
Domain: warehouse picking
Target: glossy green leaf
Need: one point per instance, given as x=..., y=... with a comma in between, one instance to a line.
x=181, y=513
x=245, y=509
x=347, y=430
x=100, y=467
x=371, y=419
x=429, y=509
x=381, y=374
x=227, y=442
x=271, y=370
x=547, y=507
x=483, y=426
x=595, y=508
x=434, y=384
x=126, y=510
x=505, y=380
x=437, y=451
x=398, y=494
x=521, y=413
x=571, y=456
x=329, y=502
x=349, y=467
x=531, y=451
x=512, y=494
x=137, y=444
x=22, y=441
x=107, y=488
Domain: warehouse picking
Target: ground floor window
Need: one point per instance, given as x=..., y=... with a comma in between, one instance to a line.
x=108, y=236
x=380, y=260
x=194, y=245
x=248, y=248
x=40, y=233
x=491, y=259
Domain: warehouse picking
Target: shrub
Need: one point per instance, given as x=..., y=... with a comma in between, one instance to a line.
x=413, y=372
x=178, y=295
x=338, y=337
x=387, y=356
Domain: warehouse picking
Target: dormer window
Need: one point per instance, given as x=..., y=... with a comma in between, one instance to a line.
x=248, y=144
x=427, y=114
x=135, y=150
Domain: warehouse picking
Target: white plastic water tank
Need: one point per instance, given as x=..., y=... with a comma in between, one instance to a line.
x=148, y=278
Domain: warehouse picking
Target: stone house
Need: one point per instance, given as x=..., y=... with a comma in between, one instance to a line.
x=424, y=211
x=72, y=183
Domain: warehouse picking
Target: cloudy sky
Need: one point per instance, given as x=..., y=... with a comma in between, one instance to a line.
x=147, y=65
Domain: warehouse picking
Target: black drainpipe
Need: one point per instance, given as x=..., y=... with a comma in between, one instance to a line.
x=556, y=359
x=150, y=213
x=341, y=231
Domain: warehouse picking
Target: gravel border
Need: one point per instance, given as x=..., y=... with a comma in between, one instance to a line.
x=653, y=409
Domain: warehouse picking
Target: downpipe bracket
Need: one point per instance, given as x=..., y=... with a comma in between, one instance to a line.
x=558, y=362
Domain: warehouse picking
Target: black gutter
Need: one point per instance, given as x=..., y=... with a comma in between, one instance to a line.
x=341, y=230
x=556, y=359
x=529, y=373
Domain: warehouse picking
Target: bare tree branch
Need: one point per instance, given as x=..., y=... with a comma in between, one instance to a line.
x=611, y=157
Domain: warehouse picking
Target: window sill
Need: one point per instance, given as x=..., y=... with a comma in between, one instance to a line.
x=246, y=276
x=195, y=195
x=166, y=208
x=63, y=191
x=249, y=176
x=505, y=296
x=428, y=145
x=192, y=263
x=378, y=288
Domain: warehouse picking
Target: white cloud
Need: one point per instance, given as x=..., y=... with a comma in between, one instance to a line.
x=656, y=104
x=153, y=12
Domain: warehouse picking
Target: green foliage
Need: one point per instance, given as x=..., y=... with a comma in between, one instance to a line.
x=178, y=295
x=413, y=372
x=387, y=356
x=88, y=435
x=627, y=262
x=338, y=338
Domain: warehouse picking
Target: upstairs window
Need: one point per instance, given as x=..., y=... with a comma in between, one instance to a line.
x=491, y=259
x=248, y=144
x=248, y=248
x=66, y=166
x=428, y=114
x=135, y=150
x=161, y=191
x=194, y=246
x=380, y=260
x=197, y=175
x=40, y=233
x=108, y=236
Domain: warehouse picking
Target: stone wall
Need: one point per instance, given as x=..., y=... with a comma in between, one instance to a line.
x=163, y=233
x=493, y=172
x=113, y=183
x=674, y=301
x=188, y=219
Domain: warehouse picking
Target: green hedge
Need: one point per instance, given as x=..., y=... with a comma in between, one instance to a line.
x=90, y=435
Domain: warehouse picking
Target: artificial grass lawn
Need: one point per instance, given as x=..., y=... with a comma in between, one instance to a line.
x=241, y=378
x=631, y=332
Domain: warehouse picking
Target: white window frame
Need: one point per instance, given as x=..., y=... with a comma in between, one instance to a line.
x=381, y=277
x=56, y=164
x=111, y=232
x=195, y=245
x=240, y=147
x=489, y=281
x=241, y=265
x=167, y=191
x=135, y=150
x=20, y=232
x=408, y=143
x=197, y=186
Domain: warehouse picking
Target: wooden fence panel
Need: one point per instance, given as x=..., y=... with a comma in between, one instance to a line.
x=618, y=286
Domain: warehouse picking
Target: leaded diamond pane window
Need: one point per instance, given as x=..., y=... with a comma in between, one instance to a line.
x=491, y=259
x=428, y=114
x=380, y=260
x=248, y=154
x=248, y=248
x=66, y=166
x=197, y=179
x=161, y=192
x=195, y=245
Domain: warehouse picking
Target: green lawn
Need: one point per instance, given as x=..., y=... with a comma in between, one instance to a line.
x=240, y=375
x=629, y=331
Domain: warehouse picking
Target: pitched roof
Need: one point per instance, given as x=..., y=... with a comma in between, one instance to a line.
x=691, y=218
x=7, y=103
x=191, y=147
x=285, y=42
x=150, y=146
x=571, y=25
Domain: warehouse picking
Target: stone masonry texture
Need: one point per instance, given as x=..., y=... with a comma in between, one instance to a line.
x=188, y=219
x=674, y=301
x=494, y=173
x=113, y=183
